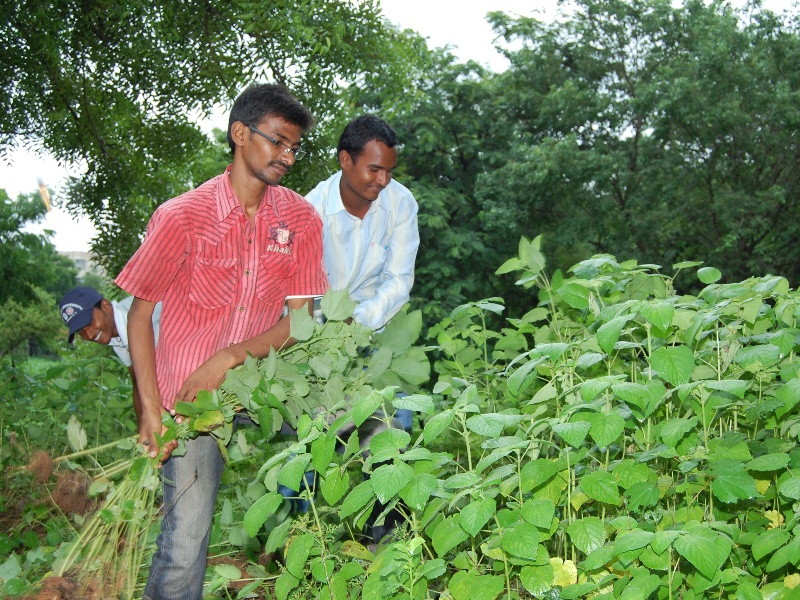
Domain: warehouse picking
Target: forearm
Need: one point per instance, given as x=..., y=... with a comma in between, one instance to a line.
x=277, y=337
x=143, y=355
x=137, y=401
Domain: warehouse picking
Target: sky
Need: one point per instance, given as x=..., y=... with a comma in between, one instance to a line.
x=458, y=23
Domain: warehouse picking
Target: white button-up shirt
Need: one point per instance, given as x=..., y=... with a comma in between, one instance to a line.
x=373, y=258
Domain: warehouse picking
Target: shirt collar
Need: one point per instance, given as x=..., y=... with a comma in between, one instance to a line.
x=334, y=202
x=228, y=203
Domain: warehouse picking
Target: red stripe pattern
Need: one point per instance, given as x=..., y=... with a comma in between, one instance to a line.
x=222, y=280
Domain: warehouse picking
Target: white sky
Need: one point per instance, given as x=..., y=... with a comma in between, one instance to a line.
x=459, y=23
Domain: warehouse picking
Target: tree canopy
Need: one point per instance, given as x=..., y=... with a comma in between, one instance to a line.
x=118, y=85
x=639, y=128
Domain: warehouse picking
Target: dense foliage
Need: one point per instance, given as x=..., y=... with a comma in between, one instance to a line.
x=116, y=86
x=619, y=439
x=648, y=128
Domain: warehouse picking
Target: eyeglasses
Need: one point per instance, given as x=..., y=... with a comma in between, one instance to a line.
x=282, y=146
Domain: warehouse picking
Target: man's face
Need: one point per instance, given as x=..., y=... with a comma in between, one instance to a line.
x=269, y=162
x=370, y=172
x=102, y=328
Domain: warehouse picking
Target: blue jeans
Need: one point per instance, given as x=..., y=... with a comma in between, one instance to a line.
x=190, y=484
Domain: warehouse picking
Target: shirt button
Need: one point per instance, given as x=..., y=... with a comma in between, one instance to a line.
x=249, y=241
x=241, y=308
x=230, y=344
x=247, y=272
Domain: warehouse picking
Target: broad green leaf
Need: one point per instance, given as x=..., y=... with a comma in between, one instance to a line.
x=76, y=434
x=419, y=490
x=228, y=571
x=592, y=387
x=600, y=486
x=378, y=363
x=537, y=580
x=687, y=264
x=573, y=433
x=400, y=332
x=708, y=275
x=322, y=450
x=705, y=552
x=674, y=429
x=788, y=554
x=365, y=407
x=768, y=462
x=754, y=356
x=415, y=371
x=358, y=498
x=335, y=485
x=633, y=540
x=511, y=265
x=388, y=480
x=791, y=488
x=461, y=481
x=492, y=424
x=387, y=444
x=641, y=586
x=642, y=494
x=674, y=364
x=606, y=428
x=436, y=425
x=301, y=324
x=737, y=387
x=476, y=514
x=608, y=333
x=536, y=472
x=447, y=535
x=258, y=512
x=336, y=305
x=553, y=351
x=418, y=402
x=659, y=314
x=292, y=472
x=789, y=394
x=734, y=485
x=768, y=541
x=297, y=554
x=747, y=590
x=587, y=534
x=470, y=586
x=522, y=541
x=284, y=585
x=539, y=512
x=575, y=295
x=599, y=557
x=521, y=378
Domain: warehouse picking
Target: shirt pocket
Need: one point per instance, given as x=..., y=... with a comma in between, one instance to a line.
x=213, y=282
x=274, y=272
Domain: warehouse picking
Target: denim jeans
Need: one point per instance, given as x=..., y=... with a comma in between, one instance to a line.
x=190, y=484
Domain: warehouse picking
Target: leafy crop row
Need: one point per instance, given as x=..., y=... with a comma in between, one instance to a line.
x=619, y=440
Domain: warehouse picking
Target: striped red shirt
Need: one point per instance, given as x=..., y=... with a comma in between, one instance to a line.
x=221, y=280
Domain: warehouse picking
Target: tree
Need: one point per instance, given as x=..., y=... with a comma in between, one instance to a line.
x=115, y=85
x=656, y=132
x=29, y=263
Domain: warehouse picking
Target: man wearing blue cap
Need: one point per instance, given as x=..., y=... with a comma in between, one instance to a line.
x=96, y=319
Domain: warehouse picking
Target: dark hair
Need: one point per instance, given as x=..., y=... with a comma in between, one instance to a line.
x=361, y=130
x=258, y=101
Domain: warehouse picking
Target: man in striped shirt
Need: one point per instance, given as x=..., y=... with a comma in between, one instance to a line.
x=222, y=259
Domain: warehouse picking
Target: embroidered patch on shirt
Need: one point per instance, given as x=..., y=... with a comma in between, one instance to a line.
x=281, y=234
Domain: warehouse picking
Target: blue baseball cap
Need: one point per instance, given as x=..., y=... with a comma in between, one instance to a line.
x=77, y=308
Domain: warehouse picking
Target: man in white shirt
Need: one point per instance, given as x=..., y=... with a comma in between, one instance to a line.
x=96, y=319
x=370, y=234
